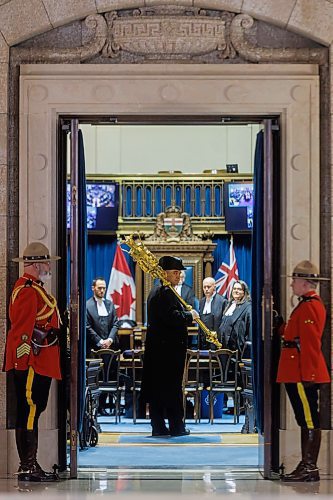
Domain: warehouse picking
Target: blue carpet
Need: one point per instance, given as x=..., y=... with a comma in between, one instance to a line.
x=143, y=426
x=168, y=456
x=191, y=439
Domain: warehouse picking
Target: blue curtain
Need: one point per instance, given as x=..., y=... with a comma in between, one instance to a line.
x=100, y=256
x=81, y=260
x=257, y=281
x=242, y=247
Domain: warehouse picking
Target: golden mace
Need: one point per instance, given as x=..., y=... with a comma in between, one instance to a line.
x=149, y=264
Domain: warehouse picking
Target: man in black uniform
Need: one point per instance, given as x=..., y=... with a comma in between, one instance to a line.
x=165, y=353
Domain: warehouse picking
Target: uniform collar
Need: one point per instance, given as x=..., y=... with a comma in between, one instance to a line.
x=28, y=276
x=310, y=293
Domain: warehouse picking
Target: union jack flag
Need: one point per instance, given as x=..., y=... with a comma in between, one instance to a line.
x=227, y=273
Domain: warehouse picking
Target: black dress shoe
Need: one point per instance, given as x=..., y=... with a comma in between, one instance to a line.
x=103, y=413
x=185, y=432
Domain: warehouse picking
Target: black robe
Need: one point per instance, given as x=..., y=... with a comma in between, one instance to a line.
x=235, y=330
x=165, y=347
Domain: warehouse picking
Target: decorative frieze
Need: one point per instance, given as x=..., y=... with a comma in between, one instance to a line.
x=162, y=34
x=168, y=34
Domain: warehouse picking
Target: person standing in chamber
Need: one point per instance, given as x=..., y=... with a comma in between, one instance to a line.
x=184, y=290
x=302, y=366
x=187, y=293
x=165, y=353
x=211, y=308
x=102, y=328
x=235, y=326
x=32, y=354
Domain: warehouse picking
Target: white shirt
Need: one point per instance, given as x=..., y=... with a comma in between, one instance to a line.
x=208, y=305
x=231, y=309
x=178, y=289
x=101, y=309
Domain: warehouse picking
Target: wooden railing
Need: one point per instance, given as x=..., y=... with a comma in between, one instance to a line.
x=143, y=197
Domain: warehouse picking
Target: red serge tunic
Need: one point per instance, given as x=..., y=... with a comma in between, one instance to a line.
x=306, y=363
x=30, y=306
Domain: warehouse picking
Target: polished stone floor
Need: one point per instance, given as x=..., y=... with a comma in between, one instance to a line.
x=188, y=483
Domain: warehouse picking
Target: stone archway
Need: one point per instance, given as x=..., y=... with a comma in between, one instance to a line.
x=19, y=22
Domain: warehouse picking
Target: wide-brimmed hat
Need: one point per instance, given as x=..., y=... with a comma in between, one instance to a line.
x=36, y=252
x=169, y=263
x=307, y=271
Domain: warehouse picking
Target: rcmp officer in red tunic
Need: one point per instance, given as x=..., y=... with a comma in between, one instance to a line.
x=302, y=366
x=32, y=353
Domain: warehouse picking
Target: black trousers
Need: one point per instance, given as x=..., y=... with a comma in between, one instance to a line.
x=304, y=401
x=32, y=393
x=174, y=412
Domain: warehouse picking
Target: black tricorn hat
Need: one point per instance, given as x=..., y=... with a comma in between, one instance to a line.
x=170, y=263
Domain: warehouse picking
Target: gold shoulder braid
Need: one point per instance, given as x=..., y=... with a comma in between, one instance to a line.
x=49, y=301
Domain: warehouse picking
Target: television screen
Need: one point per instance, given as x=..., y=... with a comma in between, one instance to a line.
x=102, y=206
x=238, y=206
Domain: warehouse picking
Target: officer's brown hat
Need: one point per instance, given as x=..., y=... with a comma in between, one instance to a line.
x=36, y=252
x=307, y=271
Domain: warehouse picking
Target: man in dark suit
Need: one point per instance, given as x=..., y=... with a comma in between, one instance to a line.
x=102, y=326
x=211, y=308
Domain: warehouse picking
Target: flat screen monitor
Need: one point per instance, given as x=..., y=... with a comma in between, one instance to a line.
x=238, y=206
x=102, y=206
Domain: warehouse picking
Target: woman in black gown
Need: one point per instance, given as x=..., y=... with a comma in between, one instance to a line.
x=235, y=326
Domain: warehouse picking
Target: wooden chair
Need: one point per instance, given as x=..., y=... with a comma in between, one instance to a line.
x=134, y=370
x=110, y=376
x=223, y=370
x=245, y=366
x=192, y=384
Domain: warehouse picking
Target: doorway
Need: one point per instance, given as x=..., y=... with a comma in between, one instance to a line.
x=187, y=90
x=244, y=240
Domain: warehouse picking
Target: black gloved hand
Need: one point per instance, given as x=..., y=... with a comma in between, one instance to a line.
x=277, y=320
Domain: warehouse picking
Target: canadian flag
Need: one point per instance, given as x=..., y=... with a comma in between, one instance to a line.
x=122, y=287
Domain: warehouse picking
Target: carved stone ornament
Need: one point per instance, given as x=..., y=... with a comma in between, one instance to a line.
x=173, y=226
x=169, y=33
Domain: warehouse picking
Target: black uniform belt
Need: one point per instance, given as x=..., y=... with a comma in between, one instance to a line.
x=290, y=343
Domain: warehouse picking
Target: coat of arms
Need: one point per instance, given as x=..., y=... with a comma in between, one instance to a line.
x=173, y=225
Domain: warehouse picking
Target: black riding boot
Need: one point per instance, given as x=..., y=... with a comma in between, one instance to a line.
x=300, y=466
x=309, y=471
x=20, y=445
x=29, y=469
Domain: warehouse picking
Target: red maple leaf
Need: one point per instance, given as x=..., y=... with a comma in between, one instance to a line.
x=123, y=300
